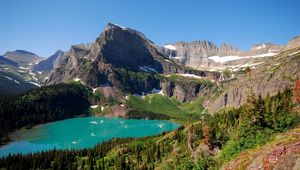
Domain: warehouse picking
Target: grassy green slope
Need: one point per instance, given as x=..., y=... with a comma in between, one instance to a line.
x=156, y=103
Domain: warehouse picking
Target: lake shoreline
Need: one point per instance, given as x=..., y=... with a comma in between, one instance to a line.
x=91, y=131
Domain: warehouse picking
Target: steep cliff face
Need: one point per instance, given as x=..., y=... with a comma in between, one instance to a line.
x=227, y=50
x=193, y=54
x=124, y=47
x=268, y=77
x=196, y=54
x=199, y=54
x=186, y=90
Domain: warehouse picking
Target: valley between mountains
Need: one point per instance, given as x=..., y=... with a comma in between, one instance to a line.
x=235, y=109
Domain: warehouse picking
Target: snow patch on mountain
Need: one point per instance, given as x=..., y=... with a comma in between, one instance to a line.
x=119, y=26
x=16, y=81
x=158, y=91
x=191, y=75
x=238, y=67
x=261, y=46
x=270, y=54
x=36, y=84
x=94, y=106
x=9, y=78
x=148, y=69
x=224, y=59
x=94, y=89
x=171, y=47
x=76, y=79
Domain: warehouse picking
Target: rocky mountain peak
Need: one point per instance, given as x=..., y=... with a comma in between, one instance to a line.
x=112, y=26
x=264, y=48
x=21, y=52
x=126, y=47
x=204, y=45
x=227, y=49
x=106, y=61
x=58, y=52
x=49, y=63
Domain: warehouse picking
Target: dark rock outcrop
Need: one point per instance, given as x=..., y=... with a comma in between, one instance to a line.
x=184, y=91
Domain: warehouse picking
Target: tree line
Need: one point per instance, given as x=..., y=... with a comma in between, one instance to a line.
x=42, y=105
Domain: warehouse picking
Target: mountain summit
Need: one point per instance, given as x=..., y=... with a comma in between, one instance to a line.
x=120, y=57
x=48, y=64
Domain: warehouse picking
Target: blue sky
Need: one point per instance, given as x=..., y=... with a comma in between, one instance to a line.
x=44, y=26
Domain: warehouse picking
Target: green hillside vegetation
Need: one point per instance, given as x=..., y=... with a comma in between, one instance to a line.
x=163, y=105
x=180, y=78
x=42, y=105
x=133, y=81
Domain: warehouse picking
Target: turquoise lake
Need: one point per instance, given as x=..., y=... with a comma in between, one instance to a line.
x=78, y=133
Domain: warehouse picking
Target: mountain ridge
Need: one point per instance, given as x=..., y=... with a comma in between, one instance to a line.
x=128, y=62
x=48, y=64
x=22, y=57
x=199, y=53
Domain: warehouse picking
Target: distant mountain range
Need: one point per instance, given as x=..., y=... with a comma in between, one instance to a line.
x=23, y=57
x=206, y=54
x=16, y=74
x=126, y=61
